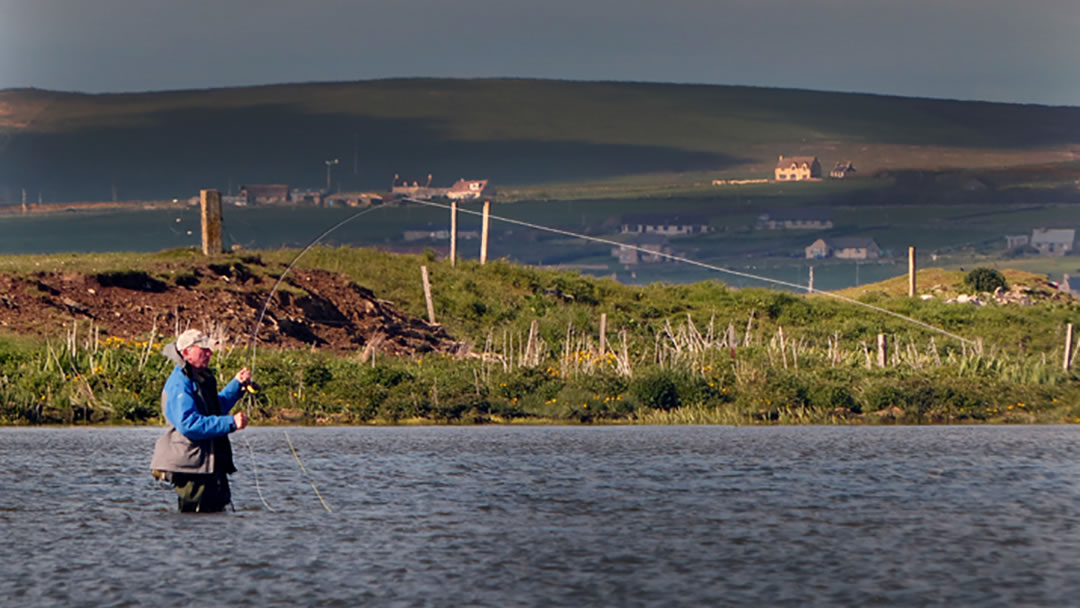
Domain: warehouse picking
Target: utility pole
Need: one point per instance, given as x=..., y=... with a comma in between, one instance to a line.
x=329, y=164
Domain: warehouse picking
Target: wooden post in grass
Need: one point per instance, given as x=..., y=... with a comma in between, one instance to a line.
x=453, y=234
x=427, y=295
x=881, y=350
x=603, y=333
x=911, y=272
x=530, y=348
x=1068, y=347
x=783, y=354
x=810, y=288
x=211, y=221
x=484, y=233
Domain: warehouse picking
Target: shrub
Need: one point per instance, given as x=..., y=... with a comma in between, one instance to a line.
x=656, y=390
x=984, y=279
x=830, y=395
x=788, y=390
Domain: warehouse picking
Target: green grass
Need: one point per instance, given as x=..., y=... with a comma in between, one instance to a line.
x=675, y=367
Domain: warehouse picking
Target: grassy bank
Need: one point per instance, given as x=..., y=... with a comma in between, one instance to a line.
x=698, y=353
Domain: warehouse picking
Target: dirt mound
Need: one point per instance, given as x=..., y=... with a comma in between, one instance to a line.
x=312, y=308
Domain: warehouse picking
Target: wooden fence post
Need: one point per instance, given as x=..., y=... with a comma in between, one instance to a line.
x=531, y=354
x=881, y=360
x=427, y=295
x=1068, y=346
x=453, y=234
x=603, y=333
x=783, y=353
x=911, y=272
x=484, y=233
x=211, y=221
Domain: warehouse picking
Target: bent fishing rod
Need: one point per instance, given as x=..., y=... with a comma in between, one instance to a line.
x=253, y=340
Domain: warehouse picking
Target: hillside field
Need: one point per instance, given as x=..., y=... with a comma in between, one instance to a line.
x=163, y=145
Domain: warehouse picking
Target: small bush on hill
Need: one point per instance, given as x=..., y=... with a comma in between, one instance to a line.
x=984, y=279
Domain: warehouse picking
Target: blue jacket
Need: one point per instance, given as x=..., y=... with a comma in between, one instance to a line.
x=182, y=411
x=188, y=445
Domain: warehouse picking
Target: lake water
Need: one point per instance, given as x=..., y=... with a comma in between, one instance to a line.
x=268, y=228
x=554, y=516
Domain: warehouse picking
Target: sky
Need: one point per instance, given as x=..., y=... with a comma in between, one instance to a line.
x=991, y=50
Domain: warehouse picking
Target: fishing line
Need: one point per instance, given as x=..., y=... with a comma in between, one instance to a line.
x=251, y=358
x=676, y=258
x=692, y=262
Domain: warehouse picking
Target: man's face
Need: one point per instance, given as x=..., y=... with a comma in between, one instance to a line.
x=197, y=356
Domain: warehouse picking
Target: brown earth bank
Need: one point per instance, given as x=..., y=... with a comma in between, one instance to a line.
x=311, y=308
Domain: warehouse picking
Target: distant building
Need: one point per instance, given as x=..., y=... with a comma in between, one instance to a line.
x=1015, y=241
x=265, y=194
x=797, y=168
x=416, y=188
x=848, y=247
x=646, y=249
x=1055, y=242
x=307, y=196
x=842, y=169
x=468, y=189
x=817, y=250
x=665, y=225
x=809, y=218
x=355, y=199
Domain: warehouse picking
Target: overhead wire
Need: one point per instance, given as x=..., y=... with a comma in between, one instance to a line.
x=692, y=262
x=266, y=303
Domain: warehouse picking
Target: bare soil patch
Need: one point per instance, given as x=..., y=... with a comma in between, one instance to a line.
x=312, y=308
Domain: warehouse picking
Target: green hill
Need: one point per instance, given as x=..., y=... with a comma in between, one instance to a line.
x=71, y=146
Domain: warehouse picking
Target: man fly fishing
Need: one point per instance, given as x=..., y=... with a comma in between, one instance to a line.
x=194, y=453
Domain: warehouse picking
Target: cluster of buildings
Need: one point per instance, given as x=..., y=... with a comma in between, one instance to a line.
x=282, y=194
x=802, y=168
x=462, y=190
x=1044, y=241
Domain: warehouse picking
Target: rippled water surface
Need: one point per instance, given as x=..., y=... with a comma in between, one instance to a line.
x=609, y=516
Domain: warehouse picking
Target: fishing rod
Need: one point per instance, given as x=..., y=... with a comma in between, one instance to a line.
x=253, y=340
x=692, y=262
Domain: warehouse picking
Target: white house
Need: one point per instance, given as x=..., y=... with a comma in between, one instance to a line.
x=846, y=247
x=1053, y=241
x=467, y=189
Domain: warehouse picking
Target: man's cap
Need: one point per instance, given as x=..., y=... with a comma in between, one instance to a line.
x=193, y=337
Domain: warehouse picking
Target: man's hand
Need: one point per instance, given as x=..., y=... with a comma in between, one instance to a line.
x=240, y=419
x=243, y=376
